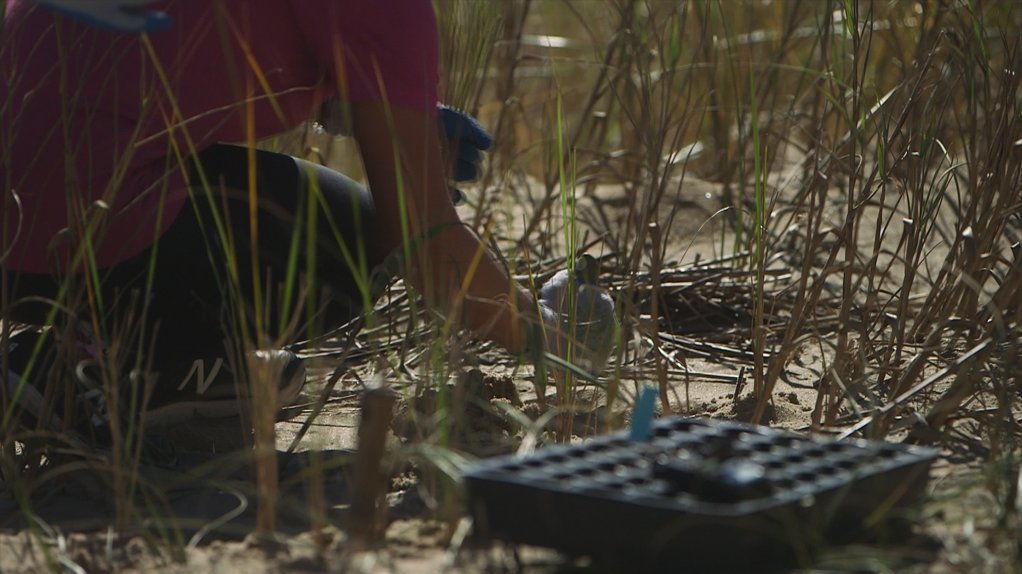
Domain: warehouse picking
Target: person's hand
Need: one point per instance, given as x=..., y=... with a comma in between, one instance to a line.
x=116, y=15
x=466, y=142
x=585, y=320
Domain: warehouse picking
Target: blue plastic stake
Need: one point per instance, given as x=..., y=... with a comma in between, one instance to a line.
x=642, y=416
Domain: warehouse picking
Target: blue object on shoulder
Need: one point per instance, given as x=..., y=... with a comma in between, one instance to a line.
x=470, y=140
x=113, y=15
x=642, y=416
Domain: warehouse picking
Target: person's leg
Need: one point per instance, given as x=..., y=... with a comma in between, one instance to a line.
x=313, y=250
x=313, y=245
x=193, y=291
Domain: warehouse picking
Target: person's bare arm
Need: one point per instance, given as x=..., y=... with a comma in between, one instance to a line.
x=442, y=249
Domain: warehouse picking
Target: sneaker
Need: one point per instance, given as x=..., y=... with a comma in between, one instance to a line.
x=203, y=388
x=33, y=362
x=208, y=388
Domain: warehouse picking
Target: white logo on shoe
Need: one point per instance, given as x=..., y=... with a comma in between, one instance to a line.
x=199, y=371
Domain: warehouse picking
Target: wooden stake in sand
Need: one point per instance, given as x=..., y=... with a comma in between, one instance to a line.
x=368, y=481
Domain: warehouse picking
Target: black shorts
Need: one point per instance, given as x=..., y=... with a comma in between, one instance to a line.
x=313, y=258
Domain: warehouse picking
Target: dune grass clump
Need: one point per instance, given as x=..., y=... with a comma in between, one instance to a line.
x=859, y=170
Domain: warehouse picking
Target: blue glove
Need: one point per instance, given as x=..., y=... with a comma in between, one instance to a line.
x=468, y=139
x=591, y=324
x=115, y=15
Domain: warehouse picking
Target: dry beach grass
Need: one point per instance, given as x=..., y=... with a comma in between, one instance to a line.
x=808, y=214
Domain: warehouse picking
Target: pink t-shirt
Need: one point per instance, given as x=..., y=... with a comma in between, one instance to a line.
x=94, y=125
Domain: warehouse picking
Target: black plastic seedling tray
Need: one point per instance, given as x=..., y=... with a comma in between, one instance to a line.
x=699, y=494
